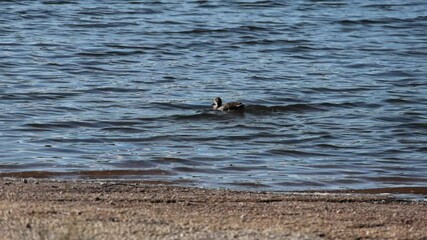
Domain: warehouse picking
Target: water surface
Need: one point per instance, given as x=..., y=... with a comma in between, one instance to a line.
x=336, y=92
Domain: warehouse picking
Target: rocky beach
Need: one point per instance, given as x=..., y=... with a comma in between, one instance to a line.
x=95, y=209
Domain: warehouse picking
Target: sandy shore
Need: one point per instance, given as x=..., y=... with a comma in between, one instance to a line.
x=45, y=209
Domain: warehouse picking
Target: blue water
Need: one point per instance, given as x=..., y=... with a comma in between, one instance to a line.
x=335, y=92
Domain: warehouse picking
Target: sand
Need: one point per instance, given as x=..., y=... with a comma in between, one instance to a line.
x=48, y=209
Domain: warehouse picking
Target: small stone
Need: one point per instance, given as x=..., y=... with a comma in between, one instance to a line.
x=408, y=221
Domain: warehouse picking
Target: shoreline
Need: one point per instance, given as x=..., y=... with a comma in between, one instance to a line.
x=97, y=209
x=418, y=192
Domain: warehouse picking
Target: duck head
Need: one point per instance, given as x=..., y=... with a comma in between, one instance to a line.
x=217, y=103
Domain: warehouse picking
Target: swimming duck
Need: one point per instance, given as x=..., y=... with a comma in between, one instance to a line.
x=217, y=105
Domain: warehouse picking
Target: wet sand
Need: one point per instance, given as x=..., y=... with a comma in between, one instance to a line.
x=47, y=209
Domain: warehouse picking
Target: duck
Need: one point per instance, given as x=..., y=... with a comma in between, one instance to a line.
x=230, y=106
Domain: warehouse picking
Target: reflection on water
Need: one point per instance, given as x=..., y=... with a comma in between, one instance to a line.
x=335, y=92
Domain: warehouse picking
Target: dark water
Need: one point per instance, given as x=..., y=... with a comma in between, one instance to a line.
x=336, y=92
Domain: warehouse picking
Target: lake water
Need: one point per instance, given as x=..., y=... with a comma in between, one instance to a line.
x=336, y=92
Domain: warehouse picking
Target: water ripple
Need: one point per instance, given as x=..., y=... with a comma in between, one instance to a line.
x=334, y=92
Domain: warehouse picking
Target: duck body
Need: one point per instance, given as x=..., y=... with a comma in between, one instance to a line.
x=230, y=106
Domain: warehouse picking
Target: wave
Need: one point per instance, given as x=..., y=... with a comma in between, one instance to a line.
x=239, y=29
x=106, y=53
x=37, y=95
x=295, y=153
x=89, y=174
x=101, y=25
x=299, y=107
x=113, y=89
x=250, y=109
x=386, y=20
